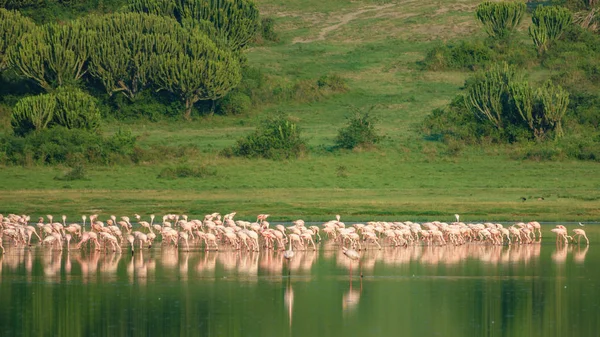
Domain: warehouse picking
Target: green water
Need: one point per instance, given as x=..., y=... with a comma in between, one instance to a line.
x=473, y=290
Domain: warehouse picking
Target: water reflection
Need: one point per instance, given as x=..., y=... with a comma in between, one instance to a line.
x=165, y=291
x=175, y=264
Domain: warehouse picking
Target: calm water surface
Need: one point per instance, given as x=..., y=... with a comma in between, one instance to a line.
x=471, y=290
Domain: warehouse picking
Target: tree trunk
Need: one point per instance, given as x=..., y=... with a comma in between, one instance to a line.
x=188, y=109
x=189, y=104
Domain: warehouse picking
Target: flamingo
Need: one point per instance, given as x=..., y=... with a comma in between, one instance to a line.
x=131, y=239
x=288, y=255
x=352, y=255
x=578, y=234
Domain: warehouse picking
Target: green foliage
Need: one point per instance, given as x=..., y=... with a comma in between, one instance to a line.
x=33, y=113
x=359, y=132
x=468, y=55
x=203, y=71
x=499, y=96
x=235, y=103
x=60, y=145
x=187, y=171
x=13, y=26
x=53, y=54
x=123, y=48
x=500, y=19
x=17, y=4
x=276, y=138
x=554, y=101
x=67, y=107
x=333, y=82
x=549, y=23
x=486, y=94
x=268, y=29
x=455, y=122
x=78, y=172
x=233, y=22
x=499, y=106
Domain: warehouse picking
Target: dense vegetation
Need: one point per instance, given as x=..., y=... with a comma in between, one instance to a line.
x=501, y=105
x=190, y=92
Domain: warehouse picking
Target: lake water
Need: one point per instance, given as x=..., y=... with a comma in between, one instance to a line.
x=471, y=290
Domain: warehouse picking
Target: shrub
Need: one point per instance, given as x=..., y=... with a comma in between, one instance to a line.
x=67, y=107
x=332, y=82
x=235, y=103
x=455, y=122
x=268, y=29
x=276, y=138
x=75, y=173
x=359, y=131
x=60, y=145
x=464, y=55
x=186, y=171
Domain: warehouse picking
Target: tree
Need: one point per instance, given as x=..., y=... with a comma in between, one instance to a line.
x=500, y=19
x=553, y=100
x=12, y=27
x=549, y=23
x=202, y=71
x=233, y=22
x=121, y=53
x=53, y=54
x=487, y=93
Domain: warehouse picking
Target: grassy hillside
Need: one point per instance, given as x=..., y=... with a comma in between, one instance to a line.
x=376, y=47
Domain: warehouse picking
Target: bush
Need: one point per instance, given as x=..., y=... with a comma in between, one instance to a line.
x=332, y=82
x=75, y=173
x=186, y=171
x=359, y=131
x=60, y=145
x=456, y=122
x=268, y=29
x=67, y=107
x=464, y=55
x=276, y=138
x=235, y=103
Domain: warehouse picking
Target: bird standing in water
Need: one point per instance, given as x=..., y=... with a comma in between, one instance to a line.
x=288, y=255
x=352, y=255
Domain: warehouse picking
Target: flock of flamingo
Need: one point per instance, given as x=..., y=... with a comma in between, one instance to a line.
x=215, y=232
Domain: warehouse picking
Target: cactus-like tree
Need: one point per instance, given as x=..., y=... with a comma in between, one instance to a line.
x=549, y=23
x=68, y=107
x=13, y=26
x=233, y=22
x=201, y=71
x=123, y=46
x=53, y=54
x=500, y=19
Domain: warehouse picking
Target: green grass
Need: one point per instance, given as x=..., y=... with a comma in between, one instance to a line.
x=406, y=178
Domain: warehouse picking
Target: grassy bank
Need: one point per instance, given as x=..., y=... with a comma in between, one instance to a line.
x=376, y=47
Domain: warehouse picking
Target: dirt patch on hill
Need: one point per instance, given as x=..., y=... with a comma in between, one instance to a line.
x=341, y=21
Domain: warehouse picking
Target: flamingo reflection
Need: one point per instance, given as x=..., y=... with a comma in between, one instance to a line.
x=288, y=300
